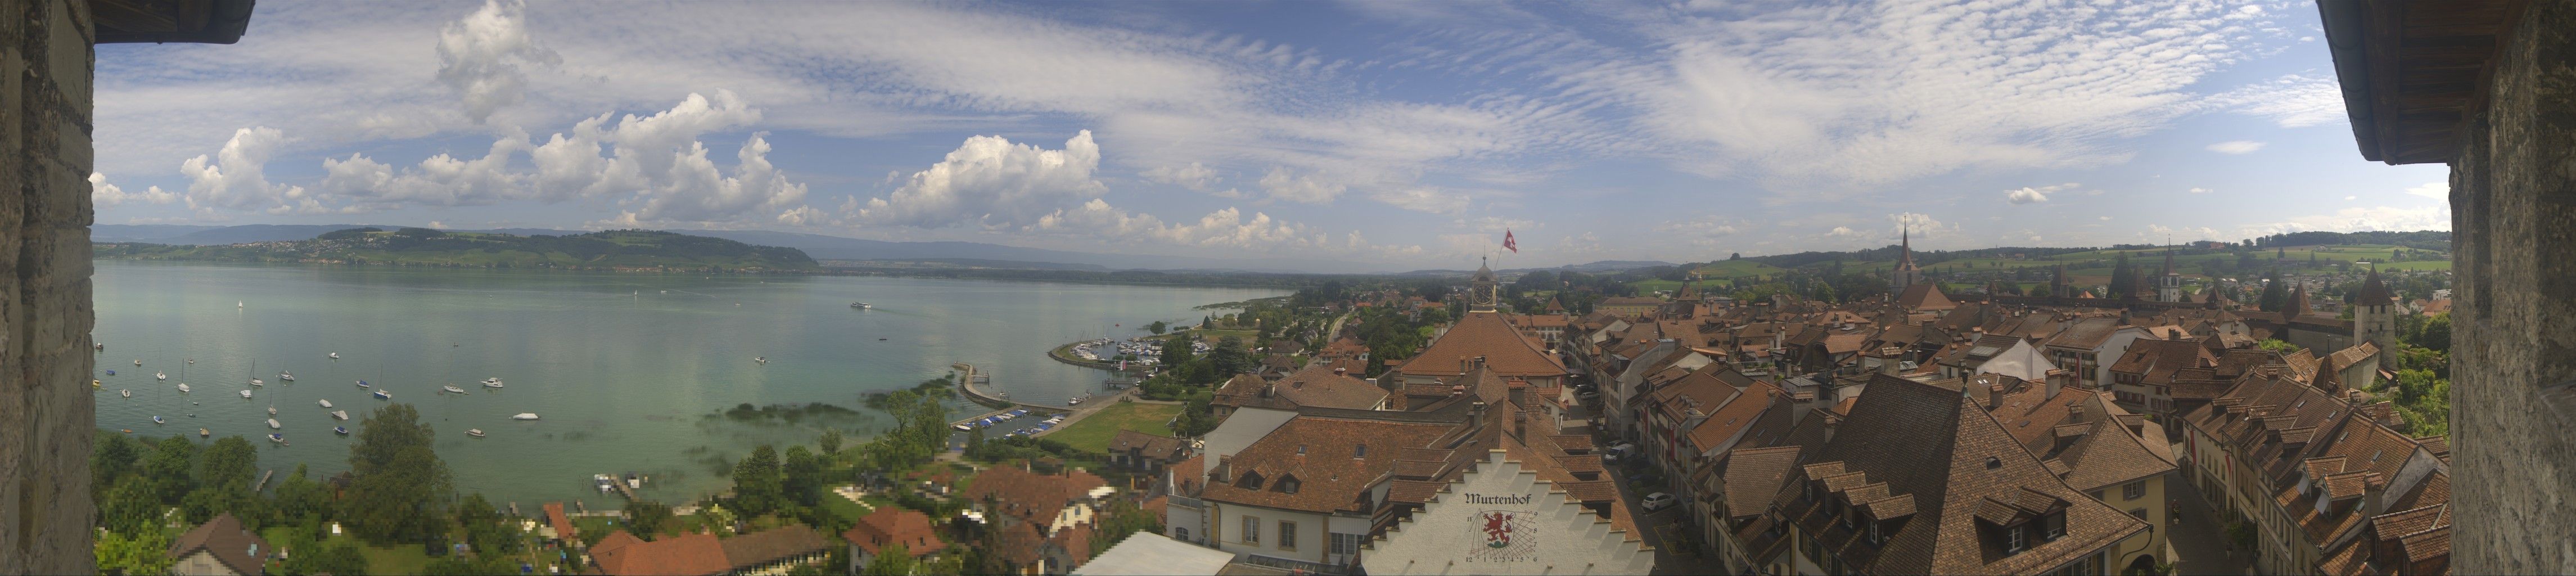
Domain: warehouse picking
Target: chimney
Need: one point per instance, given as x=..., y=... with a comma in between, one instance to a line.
x=1994, y=394
x=1339, y=370
x=1269, y=390
x=1476, y=412
x=2055, y=380
x=1480, y=361
x=2075, y=411
x=1520, y=425
x=1517, y=393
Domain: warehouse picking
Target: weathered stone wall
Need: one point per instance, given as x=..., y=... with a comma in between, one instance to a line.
x=46, y=415
x=2513, y=412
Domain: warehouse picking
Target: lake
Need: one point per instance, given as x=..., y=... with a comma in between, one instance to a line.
x=626, y=370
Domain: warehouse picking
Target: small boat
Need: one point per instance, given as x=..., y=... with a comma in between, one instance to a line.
x=158, y=420
x=280, y=439
x=452, y=389
x=362, y=384
x=111, y=372
x=475, y=432
x=202, y=433
x=125, y=393
x=880, y=339
x=183, y=387
x=340, y=414
x=492, y=382
x=192, y=360
x=245, y=394
x=138, y=361
x=102, y=346
x=525, y=416
x=340, y=430
x=382, y=395
x=258, y=382
x=963, y=427
x=335, y=355
x=861, y=305
x=1072, y=402
x=324, y=403
x=272, y=424
x=763, y=359
x=272, y=410
x=286, y=376
x=160, y=375
x=94, y=383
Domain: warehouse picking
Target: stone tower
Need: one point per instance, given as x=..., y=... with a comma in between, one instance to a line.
x=1905, y=274
x=2169, y=286
x=2058, y=286
x=1480, y=290
x=2374, y=314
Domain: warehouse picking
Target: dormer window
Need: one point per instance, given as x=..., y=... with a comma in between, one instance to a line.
x=1301, y=449
x=1359, y=451
x=1249, y=481
x=1875, y=537
x=2055, y=526
x=2013, y=541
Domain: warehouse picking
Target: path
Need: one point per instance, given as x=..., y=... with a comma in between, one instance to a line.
x=2198, y=541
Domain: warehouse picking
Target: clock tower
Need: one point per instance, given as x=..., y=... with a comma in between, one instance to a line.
x=1480, y=290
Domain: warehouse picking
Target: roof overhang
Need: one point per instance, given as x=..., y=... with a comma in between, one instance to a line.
x=183, y=21
x=2412, y=70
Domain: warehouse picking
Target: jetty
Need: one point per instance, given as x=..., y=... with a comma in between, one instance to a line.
x=263, y=480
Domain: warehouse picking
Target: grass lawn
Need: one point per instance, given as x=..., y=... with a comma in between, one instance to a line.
x=394, y=560
x=844, y=508
x=1093, y=432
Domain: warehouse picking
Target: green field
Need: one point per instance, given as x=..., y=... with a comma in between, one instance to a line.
x=1093, y=432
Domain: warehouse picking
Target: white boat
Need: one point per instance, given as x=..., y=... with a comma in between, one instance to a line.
x=245, y=394
x=160, y=375
x=335, y=355
x=362, y=383
x=286, y=376
x=1073, y=402
x=475, y=432
x=157, y=420
x=272, y=424
x=138, y=361
x=272, y=410
x=340, y=414
x=452, y=389
x=340, y=430
x=525, y=416
x=325, y=403
x=763, y=359
x=125, y=393
x=280, y=439
x=381, y=394
x=257, y=382
x=492, y=382
x=183, y=387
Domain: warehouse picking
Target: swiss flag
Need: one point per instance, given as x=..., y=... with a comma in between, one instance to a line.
x=1508, y=244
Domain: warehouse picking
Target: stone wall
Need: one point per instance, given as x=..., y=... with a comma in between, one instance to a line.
x=46, y=415
x=2513, y=413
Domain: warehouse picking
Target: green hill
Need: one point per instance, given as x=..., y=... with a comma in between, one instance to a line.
x=612, y=249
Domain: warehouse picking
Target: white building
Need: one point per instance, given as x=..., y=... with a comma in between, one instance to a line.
x=1501, y=519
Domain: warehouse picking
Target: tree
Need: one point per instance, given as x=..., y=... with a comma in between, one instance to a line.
x=338, y=558
x=170, y=468
x=142, y=552
x=114, y=456
x=802, y=478
x=401, y=487
x=1158, y=327
x=756, y=483
x=830, y=442
x=648, y=517
x=892, y=560
x=2275, y=293
x=302, y=501
x=484, y=529
x=2436, y=333
x=131, y=506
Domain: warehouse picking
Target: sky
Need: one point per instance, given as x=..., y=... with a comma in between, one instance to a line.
x=1388, y=133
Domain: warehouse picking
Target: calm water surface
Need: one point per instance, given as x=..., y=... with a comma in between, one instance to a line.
x=626, y=370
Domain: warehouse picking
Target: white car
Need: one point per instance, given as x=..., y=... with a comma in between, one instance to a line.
x=1657, y=501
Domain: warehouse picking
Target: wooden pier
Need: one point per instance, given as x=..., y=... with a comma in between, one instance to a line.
x=263, y=480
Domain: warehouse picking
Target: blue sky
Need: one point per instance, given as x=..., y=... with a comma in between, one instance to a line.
x=1397, y=134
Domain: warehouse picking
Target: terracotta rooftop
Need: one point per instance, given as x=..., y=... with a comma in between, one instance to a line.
x=621, y=553
x=231, y=544
x=1508, y=352
x=892, y=525
x=1317, y=452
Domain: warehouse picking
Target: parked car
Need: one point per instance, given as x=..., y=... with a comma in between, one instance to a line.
x=1658, y=501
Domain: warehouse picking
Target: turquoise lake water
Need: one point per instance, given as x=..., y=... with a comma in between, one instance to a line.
x=626, y=370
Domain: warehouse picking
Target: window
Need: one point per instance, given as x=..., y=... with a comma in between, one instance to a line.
x=2056, y=526
x=2141, y=513
x=1288, y=484
x=1344, y=544
x=1874, y=536
x=1359, y=451
x=2013, y=543
x=2133, y=490
x=1181, y=534
x=1287, y=535
x=1251, y=530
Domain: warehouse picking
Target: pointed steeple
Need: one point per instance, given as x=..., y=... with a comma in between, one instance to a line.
x=1905, y=246
x=2169, y=268
x=2373, y=292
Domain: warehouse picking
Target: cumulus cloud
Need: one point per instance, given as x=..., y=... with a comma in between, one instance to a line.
x=1703, y=231
x=991, y=182
x=236, y=177
x=1194, y=176
x=2292, y=101
x=1224, y=228
x=2433, y=190
x=2437, y=217
x=480, y=55
x=1310, y=188
x=2236, y=147
x=2027, y=194
x=1424, y=199
x=104, y=195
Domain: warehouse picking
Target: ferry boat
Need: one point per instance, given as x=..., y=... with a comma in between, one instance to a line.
x=452, y=389
x=492, y=382
x=324, y=403
x=525, y=416
x=475, y=432
x=340, y=430
x=381, y=395
x=272, y=424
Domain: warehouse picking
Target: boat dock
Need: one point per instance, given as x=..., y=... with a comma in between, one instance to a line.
x=974, y=384
x=263, y=480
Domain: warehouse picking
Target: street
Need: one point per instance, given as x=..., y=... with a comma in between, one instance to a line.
x=2198, y=542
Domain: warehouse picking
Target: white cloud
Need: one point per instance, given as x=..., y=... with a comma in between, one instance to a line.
x=237, y=176
x=993, y=183
x=2292, y=101
x=2102, y=218
x=2433, y=190
x=1424, y=199
x=105, y=195
x=479, y=57
x=1496, y=224
x=2437, y=217
x=2351, y=198
x=1195, y=176
x=1309, y=188
x=2027, y=194
x=2200, y=190
x=1707, y=231
x=1842, y=232
x=2236, y=147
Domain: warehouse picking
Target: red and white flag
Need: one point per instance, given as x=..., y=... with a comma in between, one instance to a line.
x=1508, y=244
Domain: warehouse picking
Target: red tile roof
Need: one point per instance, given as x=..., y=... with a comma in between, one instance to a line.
x=621, y=554
x=891, y=525
x=231, y=544
x=1508, y=352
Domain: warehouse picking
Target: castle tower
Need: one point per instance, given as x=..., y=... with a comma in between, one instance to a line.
x=2057, y=286
x=2374, y=314
x=1905, y=274
x=1480, y=290
x=2298, y=305
x=2169, y=286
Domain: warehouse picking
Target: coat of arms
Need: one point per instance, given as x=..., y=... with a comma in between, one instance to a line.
x=1508, y=537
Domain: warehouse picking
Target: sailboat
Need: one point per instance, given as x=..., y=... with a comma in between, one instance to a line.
x=492, y=382
x=325, y=403
x=183, y=387
x=160, y=375
x=452, y=389
x=340, y=430
x=475, y=432
x=286, y=376
x=158, y=420
x=245, y=394
x=138, y=361
x=272, y=409
x=272, y=424
x=340, y=414
x=381, y=395
x=280, y=439
x=362, y=383
x=125, y=393
x=525, y=416
x=335, y=355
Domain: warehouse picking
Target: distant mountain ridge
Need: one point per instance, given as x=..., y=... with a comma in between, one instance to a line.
x=614, y=249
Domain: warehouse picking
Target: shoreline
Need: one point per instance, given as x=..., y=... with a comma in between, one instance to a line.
x=1004, y=274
